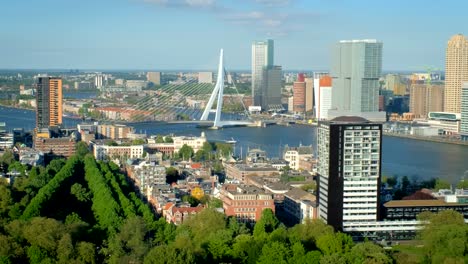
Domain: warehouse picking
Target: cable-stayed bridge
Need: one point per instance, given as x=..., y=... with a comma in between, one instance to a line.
x=170, y=104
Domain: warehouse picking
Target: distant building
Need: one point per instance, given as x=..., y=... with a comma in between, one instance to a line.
x=98, y=81
x=114, y=131
x=394, y=83
x=205, y=77
x=456, y=71
x=240, y=172
x=271, y=89
x=349, y=169
x=246, y=203
x=309, y=94
x=154, y=77
x=178, y=215
x=31, y=157
x=136, y=84
x=464, y=112
x=196, y=143
x=356, y=69
x=119, y=82
x=426, y=98
x=448, y=123
x=323, y=96
x=49, y=102
x=146, y=174
x=262, y=58
x=299, y=92
x=7, y=140
x=256, y=156
x=105, y=152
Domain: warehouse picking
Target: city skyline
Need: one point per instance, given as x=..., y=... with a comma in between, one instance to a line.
x=165, y=35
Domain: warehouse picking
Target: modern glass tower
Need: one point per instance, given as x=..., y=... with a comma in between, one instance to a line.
x=262, y=59
x=356, y=69
x=49, y=102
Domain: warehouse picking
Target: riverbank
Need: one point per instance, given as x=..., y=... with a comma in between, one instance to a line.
x=430, y=139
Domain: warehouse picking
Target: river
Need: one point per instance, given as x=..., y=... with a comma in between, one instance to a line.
x=400, y=156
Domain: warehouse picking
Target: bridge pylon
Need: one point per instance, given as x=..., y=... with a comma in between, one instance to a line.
x=217, y=94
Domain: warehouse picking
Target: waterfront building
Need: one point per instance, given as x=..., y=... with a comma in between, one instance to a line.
x=205, y=77
x=196, y=143
x=349, y=170
x=154, y=77
x=309, y=94
x=323, y=96
x=446, y=123
x=299, y=206
x=245, y=202
x=294, y=155
x=256, y=156
x=356, y=69
x=299, y=93
x=113, y=131
x=98, y=81
x=426, y=98
x=456, y=71
x=262, y=58
x=49, y=102
x=464, y=112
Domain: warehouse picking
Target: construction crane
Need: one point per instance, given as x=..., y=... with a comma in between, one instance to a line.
x=430, y=70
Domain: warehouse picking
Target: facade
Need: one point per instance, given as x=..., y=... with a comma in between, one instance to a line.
x=205, y=77
x=309, y=94
x=323, y=97
x=448, y=123
x=56, y=146
x=399, y=210
x=425, y=98
x=196, y=143
x=464, y=112
x=104, y=152
x=245, y=202
x=394, y=83
x=7, y=140
x=147, y=174
x=456, y=72
x=294, y=155
x=356, y=69
x=31, y=157
x=49, y=102
x=299, y=206
x=299, y=101
x=98, y=81
x=154, y=77
x=114, y=131
x=271, y=89
x=349, y=170
x=135, y=84
x=177, y=214
x=262, y=57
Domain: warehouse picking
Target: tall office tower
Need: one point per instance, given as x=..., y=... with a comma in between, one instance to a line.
x=49, y=102
x=299, y=93
x=205, y=77
x=323, y=96
x=271, y=89
x=456, y=72
x=309, y=94
x=262, y=58
x=98, y=81
x=425, y=98
x=154, y=77
x=356, y=69
x=349, y=169
x=464, y=112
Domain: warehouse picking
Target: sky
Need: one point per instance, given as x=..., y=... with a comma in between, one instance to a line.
x=187, y=34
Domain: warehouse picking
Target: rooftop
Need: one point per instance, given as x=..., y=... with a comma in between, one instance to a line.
x=418, y=203
x=349, y=119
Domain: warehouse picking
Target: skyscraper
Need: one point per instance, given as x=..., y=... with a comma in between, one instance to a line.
x=349, y=168
x=456, y=72
x=299, y=92
x=262, y=58
x=270, y=90
x=309, y=94
x=98, y=81
x=323, y=96
x=49, y=102
x=356, y=69
x=464, y=112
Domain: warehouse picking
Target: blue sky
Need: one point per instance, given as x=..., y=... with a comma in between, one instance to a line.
x=187, y=34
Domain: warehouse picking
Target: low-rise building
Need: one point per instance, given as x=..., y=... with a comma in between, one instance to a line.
x=294, y=154
x=242, y=171
x=103, y=152
x=178, y=214
x=196, y=143
x=64, y=146
x=146, y=174
x=245, y=202
x=299, y=206
x=113, y=131
x=32, y=157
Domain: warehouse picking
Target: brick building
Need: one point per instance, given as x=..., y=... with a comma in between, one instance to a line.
x=56, y=146
x=245, y=202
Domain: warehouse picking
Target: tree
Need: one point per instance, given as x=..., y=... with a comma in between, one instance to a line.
x=80, y=192
x=168, y=139
x=172, y=175
x=138, y=141
x=186, y=152
x=267, y=223
x=462, y=184
x=159, y=139
x=8, y=157
x=392, y=181
x=274, y=252
x=441, y=184
x=81, y=149
x=368, y=252
x=334, y=243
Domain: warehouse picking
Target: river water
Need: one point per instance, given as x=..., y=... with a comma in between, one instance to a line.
x=400, y=156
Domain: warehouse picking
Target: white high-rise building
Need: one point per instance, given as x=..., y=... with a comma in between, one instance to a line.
x=322, y=95
x=98, y=81
x=356, y=69
x=262, y=58
x=349, y=168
